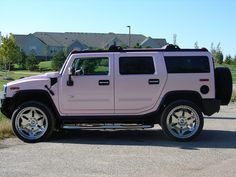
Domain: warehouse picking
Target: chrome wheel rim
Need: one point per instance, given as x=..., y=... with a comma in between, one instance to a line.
x=31, y=123
x=183, y=122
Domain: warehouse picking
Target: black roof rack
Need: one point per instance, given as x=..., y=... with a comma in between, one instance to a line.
x=115, y=48
x=168, y=47
x=171, y=47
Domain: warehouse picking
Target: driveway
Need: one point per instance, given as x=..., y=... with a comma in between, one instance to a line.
x=127, y=153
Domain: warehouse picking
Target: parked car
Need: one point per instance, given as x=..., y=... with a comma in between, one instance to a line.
x=120, y=89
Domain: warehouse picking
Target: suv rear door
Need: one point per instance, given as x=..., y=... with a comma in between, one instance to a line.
x=139, y=79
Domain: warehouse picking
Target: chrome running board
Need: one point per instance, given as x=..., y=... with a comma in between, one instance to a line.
x=106, y=126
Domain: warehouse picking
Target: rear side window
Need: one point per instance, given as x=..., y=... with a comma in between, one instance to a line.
x=187, y=64
x=136, y=65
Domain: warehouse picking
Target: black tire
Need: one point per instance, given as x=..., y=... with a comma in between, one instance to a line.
x=173, y=124
x=223, y=85
x=33, y=122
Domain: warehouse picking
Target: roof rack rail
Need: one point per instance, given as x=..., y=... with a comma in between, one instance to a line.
x=114, y=48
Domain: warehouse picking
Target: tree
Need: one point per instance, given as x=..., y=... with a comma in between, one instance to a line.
x=65, y=50
x=219, y=57
x=228, y=59
x=58, y=59
x=9, y=51
x=46, y=51
x=22, y=60
x=137, y=45
x=234, y=60
x=123, y=46
x=31, y=61
x=217, y=53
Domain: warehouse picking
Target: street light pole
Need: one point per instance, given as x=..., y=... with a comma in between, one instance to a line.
x=129, y=35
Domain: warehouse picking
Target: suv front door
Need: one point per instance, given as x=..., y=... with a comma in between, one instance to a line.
x=92, y=90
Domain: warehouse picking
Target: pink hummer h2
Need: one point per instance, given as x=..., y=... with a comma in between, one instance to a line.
x=120, y=89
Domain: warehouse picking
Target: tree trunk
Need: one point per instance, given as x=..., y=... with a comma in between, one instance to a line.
x=5, y=70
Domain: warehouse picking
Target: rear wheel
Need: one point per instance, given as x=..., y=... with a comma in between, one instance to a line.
x=182, y=120
x=32, y=122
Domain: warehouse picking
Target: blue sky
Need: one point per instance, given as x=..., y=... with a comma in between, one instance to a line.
x=204, y=21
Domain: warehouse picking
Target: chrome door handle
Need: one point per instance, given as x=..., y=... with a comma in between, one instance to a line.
x=103, y=82
x=153, y=81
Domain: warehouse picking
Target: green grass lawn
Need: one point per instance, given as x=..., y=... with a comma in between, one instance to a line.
x=45, y=66
x=5, y=127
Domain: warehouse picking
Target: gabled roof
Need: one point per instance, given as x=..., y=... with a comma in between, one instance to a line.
x=48, y=39
x=161, y=41
x=78, y=44
x=95, y=40
x=114, y=41
x=155, y=43
x=20, y=39
x=91, y=40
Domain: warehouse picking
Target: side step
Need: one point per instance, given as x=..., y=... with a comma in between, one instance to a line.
x=106, y=126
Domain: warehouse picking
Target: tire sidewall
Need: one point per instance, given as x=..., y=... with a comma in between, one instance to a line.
x=49, y=117
x=171, y=107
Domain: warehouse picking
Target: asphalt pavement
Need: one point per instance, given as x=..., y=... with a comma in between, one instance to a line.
x=126, y=153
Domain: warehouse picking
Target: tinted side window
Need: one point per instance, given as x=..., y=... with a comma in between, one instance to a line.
x=91, y=66
x=187, y=64
x=136, y=65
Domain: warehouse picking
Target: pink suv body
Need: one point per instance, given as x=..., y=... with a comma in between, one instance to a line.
x=119, y=89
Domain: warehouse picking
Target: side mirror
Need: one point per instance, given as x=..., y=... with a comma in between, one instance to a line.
x=70, y=81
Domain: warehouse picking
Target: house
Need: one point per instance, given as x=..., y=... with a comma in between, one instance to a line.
x=45, y=44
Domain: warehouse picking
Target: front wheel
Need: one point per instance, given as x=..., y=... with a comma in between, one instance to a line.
x=32, y=122
x=182, y=120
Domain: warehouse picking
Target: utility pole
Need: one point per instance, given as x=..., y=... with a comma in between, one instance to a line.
x=174, y=39
x=129, y=35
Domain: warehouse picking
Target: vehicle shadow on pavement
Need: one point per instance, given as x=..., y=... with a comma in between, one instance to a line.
x=151, y=137
x=224, y=118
